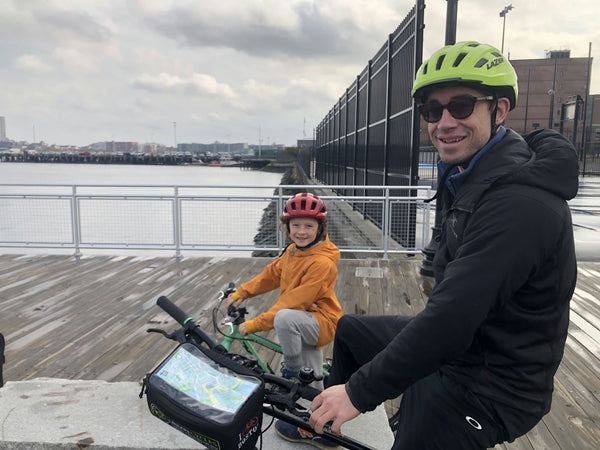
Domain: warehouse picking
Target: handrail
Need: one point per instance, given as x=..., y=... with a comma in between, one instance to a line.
x=184, y=218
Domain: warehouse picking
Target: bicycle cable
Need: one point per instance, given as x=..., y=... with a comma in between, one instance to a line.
x=236, y=338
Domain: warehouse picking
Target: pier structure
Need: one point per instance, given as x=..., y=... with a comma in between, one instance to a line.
x=86, y=319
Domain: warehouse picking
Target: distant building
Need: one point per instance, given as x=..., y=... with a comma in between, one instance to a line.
x=193, y=148
x=545, y=85
x=305, y=143
x=121, y=147
x=2, y=129
x=237, y=148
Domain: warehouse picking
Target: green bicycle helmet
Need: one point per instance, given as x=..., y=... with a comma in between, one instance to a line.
x=476, y=65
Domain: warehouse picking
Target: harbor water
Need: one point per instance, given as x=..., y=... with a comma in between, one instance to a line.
x=134, y=175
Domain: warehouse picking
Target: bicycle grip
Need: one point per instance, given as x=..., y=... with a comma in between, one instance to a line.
x=172, y=309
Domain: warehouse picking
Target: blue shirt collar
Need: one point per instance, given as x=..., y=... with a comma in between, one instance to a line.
x=456, y=178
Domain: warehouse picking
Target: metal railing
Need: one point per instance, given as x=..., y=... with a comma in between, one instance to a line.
x=200, y=218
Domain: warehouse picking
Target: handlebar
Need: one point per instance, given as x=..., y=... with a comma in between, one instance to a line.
x=190, y=331
x=237, y=313
x=173, y=310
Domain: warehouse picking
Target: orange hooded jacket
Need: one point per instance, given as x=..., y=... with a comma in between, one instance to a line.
x=306, y=279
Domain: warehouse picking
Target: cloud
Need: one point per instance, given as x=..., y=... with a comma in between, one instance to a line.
x=196, y=83
x=291, y=29
x=75, y=60
x=64, y=21
x=32, y=63
x=128, y=69
x=262, y=90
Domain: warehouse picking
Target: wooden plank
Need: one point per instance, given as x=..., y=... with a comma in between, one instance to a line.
x=87, y=319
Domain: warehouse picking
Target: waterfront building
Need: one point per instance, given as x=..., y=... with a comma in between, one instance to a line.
x=545, y=85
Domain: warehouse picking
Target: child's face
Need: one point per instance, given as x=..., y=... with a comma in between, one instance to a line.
x=303, y=230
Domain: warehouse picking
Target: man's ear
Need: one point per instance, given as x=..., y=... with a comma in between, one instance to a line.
x=503, y=107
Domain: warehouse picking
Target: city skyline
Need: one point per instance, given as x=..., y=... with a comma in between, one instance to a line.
x=231, y=71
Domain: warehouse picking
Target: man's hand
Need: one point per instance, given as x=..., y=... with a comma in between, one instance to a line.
x=333, y=404
x=242, y=329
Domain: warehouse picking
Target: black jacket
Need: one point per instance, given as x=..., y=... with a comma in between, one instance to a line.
x=505, y=270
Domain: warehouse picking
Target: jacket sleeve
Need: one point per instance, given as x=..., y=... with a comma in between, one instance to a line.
x=266, y=281
x=315, y=281
x=495, y=259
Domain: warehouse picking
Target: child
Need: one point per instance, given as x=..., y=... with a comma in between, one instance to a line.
x=307, y=311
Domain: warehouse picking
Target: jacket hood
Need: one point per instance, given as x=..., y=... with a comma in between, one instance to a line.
x=555, y=167
x=324, y=248
x=544, y=159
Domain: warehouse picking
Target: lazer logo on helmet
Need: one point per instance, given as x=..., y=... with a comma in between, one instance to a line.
x=494, y=63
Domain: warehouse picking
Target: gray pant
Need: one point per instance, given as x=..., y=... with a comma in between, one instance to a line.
x=298, y=333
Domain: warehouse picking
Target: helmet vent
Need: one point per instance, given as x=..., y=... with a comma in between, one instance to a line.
x=497, y=55
x=459, y=59
x=425, y=69
x=480, y=63
x=440, y=60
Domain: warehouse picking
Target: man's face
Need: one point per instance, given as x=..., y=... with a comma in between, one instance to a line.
x=457, y=140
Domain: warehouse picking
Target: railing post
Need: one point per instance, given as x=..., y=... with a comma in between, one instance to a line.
x=177, y=222
x=386, y=223
x=76, y=221
x=278, y=212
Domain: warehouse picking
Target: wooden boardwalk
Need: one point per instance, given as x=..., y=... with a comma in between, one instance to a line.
x=87, y=319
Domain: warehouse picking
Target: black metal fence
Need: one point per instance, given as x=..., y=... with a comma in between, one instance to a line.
x=371, y=135
x=589, y=160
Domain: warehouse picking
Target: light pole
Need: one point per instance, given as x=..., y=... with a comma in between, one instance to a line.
x=503, y=14
x=431, y=248
x=175, y=135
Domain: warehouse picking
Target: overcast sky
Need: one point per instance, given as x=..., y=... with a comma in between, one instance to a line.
x=76, y=72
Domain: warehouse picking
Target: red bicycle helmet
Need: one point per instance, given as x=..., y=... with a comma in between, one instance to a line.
x=304, y=205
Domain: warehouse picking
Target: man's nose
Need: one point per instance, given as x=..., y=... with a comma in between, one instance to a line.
x=447, y=120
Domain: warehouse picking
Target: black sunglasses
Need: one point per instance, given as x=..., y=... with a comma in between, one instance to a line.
x=459, y=107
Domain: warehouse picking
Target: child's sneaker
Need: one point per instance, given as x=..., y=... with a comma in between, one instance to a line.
x=292, y=433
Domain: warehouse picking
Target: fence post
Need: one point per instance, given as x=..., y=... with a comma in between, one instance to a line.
x=176, y=222
x=386, y=222
x=278, y=213
x=76, y=221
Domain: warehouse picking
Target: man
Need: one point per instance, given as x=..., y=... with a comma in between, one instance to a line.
x=476, y=366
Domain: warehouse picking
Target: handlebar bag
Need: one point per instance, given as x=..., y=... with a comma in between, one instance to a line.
x=207, y=396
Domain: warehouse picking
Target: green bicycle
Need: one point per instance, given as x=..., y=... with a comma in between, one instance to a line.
x=232, y=318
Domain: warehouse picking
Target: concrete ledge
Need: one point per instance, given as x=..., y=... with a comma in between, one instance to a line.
x=50, y=413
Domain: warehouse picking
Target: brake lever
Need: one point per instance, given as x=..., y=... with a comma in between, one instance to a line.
x=172, y=336
x=178, y=335
x=228, y=323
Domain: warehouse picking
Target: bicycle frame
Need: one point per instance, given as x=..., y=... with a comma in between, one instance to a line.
x=233, y=334
x=246, y=341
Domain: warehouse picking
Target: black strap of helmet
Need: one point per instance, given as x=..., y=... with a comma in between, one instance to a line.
x=440, y=186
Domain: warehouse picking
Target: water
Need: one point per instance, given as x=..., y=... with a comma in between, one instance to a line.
x=40, y=173
x=126, y=175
